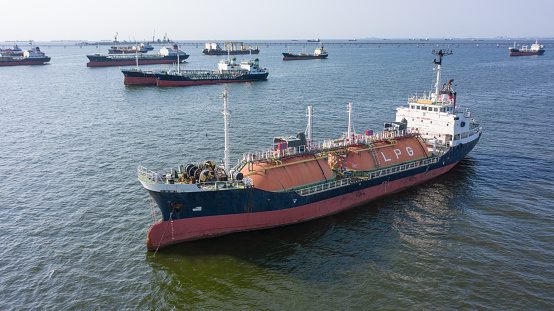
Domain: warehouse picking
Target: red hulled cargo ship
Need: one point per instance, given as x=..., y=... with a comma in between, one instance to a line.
x=165, y=56
x=228, y=71
x=535, y=49
x=298, y=179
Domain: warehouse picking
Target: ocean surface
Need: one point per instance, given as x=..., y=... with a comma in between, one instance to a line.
x=74, y=218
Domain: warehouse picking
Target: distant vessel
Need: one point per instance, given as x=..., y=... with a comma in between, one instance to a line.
x=535, y=49
x=166, y=56
x=127, y=49
x=231, y=48
x=147, y=46
x=298, y=179
x=319, y=53
x=14, y=51
x=315, y=40
x=30, y=57
x=228, y=71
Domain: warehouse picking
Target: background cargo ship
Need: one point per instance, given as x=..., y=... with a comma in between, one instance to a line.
x=165, y=56
x=298, y=179
x=231, y=48
x=319, y=53
x=228, y=71
x=535, y=49
x=30, y=57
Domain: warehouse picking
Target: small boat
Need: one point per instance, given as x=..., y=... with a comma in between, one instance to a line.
x=535, y=49
x=298, y=179
x=228, y=71
x=230, y=48
x=319, y=53
x=165, y=56
x=30, y=57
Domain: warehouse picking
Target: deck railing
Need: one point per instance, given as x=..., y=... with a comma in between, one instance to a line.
x=323, y=187
x=326, y=145
x=369, y=175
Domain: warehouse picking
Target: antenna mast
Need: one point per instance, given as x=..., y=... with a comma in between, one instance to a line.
x=350, y=127
x=226, y=113
x=440, y=54
x=309, y=129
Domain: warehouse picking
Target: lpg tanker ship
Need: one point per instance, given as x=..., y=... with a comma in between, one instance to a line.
x=298, y=179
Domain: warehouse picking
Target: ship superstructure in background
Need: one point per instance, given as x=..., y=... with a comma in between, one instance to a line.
x=13, y=51
x=319, y=53
x=129, y=49
x=165, y=56
x=298, y=179
x=227, y=71
x=33, y=56
x=525, y=50
x=230, y=48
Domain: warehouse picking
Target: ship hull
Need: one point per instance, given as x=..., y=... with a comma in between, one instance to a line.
x=170, y=80
x=290, y=56
x=103, y=61
x=212, y=213
x=134, y=77
x=223, y=52
x=34, y=61
x=525, y=53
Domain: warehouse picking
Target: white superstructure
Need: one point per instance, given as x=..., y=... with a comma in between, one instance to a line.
x=436, y=117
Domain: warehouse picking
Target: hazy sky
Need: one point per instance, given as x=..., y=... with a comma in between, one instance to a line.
x=276, y=19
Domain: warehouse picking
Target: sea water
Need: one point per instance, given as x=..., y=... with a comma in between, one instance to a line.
x=74, y=218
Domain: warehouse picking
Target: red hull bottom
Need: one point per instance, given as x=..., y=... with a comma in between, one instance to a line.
x=299, y=58
x=139, y=81
x=21, y=63
x=163, y=83
x=166, y=233
x=131, y=63
x=525, y=53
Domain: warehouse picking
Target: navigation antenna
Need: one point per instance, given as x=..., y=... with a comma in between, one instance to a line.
x=226, y=113
x=440, y=54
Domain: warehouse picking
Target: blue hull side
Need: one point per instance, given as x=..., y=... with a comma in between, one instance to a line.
x=229, y=202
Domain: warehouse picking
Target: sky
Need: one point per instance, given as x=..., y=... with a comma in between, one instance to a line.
x=274, y=20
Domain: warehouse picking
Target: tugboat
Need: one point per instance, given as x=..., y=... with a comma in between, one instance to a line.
x=232, y=48
x=30, y=57
x=535, y=49
x=297, y=179
x=319, y=53
x=166, y=56
x=228, y=71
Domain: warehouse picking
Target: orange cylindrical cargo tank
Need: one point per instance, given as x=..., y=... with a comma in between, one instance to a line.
x=386, y=153
x=287, y=173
